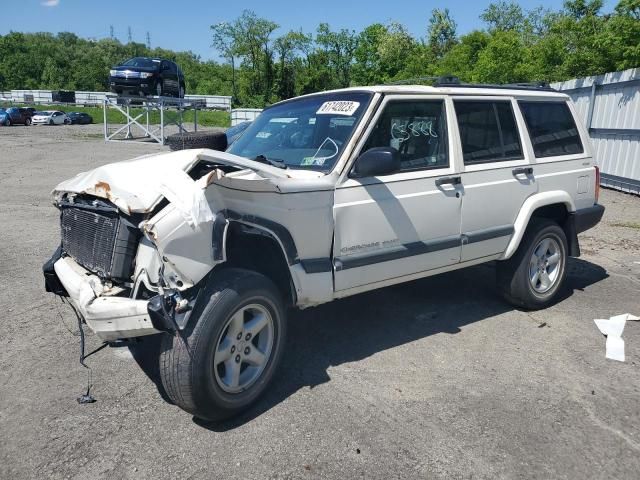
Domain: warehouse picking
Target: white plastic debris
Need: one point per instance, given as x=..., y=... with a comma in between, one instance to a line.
x=612, y=328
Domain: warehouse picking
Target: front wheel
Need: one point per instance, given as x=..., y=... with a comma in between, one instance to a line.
x=534, y=276
x=226, y=357
x=7, y=122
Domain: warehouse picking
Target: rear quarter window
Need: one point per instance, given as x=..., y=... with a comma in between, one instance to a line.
x=552, y=128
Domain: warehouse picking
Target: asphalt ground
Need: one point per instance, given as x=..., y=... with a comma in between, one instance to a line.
x=436, y=379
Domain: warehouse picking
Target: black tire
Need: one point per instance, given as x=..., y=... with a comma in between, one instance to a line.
x=183, y=141
x=7, y=122
x=50, y=122
x=160, y=90
x=513, y=274
x=181, y=91
x=187, y=359
x=27, y=122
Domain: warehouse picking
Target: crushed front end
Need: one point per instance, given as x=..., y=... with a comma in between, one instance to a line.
x=139, y=237
x=95, y=266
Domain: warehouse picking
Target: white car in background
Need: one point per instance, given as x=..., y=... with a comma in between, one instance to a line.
x=50, y=117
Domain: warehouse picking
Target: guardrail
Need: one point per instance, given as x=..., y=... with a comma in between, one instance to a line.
x=87, y=98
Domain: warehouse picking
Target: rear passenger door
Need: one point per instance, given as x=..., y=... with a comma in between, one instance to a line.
x=497, y=175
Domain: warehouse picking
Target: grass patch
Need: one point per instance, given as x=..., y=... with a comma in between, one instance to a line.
x=206, y=118
x=634, y=225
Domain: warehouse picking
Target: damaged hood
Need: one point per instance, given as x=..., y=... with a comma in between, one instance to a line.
x=138, y=185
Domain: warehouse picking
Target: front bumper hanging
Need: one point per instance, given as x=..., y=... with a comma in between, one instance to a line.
x=110, y=317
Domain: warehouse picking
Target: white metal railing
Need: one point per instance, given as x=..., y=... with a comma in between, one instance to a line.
x=214, y=102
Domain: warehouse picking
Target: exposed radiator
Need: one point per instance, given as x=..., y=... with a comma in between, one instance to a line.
x=96, y=236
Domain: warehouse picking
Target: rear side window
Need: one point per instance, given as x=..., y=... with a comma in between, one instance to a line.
x=488, y=131
x=417, y=129
x=551, y=128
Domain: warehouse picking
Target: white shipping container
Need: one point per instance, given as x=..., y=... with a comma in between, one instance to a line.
x=239, y=115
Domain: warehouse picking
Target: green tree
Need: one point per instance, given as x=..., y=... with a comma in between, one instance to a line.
x=504, y=16
x=623, y=34
x=396, y=50
x=367, y=66
x=441, y=32
x=463, y=57
x=339, y=49
x=52, y=75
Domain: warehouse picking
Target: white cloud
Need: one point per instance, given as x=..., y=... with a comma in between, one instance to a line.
x=51, y=3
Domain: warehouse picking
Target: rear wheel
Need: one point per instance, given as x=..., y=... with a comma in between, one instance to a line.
x=226, y=357
x=534, y=276
x=181, y=92
x=27, y=122
x=160, y=88
x=7, y=122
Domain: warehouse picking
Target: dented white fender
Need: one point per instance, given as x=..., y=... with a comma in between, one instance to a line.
x=182, y=232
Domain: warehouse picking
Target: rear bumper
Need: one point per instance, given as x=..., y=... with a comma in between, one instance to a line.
x=587, y=218
x=110, y=318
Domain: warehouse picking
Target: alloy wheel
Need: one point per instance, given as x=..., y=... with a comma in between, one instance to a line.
x=243, y=348
x=545, y=265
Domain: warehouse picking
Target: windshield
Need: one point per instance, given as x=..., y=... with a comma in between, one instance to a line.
x=306, y=133
x=141, y=62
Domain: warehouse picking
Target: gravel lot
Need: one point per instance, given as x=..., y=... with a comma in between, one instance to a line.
x=433, y=379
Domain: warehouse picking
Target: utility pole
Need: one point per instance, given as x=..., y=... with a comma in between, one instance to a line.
x=111, y=32
x=129, y=35
x=148, y=41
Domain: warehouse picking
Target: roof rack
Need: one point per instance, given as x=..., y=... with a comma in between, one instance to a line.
x=453, y=81
x=540, y=86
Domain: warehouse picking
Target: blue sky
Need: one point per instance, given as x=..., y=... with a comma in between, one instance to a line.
x=184, y=25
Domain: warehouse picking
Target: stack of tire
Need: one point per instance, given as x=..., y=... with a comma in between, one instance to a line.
x=216, y=140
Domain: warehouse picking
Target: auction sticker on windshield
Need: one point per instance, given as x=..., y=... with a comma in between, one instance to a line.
x=338, y=108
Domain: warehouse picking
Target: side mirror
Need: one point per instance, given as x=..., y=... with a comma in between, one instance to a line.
x=376, y=162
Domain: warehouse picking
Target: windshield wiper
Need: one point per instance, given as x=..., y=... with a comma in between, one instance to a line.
x=276, y=162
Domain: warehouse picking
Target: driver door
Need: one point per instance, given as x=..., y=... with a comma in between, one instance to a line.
x=403, y=224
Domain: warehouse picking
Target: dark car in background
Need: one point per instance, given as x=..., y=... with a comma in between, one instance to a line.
x=15, y=116
x=233, y=133
x=147, y=76
x=80, y=118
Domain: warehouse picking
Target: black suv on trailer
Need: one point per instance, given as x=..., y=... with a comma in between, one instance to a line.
x=147, y=76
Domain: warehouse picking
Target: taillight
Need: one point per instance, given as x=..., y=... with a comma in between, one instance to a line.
x=597, y=189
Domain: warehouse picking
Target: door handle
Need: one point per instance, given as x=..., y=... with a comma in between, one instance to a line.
x=522, y=171
x=448, y=181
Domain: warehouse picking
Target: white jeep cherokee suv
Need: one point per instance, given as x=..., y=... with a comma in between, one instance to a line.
x=324, y=196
